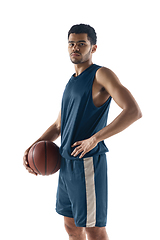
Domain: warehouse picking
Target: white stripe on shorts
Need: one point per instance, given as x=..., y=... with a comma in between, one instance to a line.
x=90, y=191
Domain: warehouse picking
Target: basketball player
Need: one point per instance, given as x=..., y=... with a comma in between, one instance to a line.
x=82, y=124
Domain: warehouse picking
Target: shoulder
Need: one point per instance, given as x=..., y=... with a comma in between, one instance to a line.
x=104, y=70
x=106, y=76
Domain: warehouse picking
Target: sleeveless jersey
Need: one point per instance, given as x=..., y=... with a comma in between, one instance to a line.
x=80, y=118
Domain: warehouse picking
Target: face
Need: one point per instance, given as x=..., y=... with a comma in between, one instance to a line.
x=80, y=48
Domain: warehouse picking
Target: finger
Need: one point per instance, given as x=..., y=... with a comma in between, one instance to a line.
x=82, y=154
x=75, y=150
x=26, y=153
x=31, y=171
x=75, y=153
x=25, y=162
x=76, y=143
x=25, y=159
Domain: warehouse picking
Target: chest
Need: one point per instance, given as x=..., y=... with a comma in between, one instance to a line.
x=77, y=91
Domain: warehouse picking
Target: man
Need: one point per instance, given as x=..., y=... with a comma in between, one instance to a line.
x=82, y=187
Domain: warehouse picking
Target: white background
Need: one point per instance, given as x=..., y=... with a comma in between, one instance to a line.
x=34, y=68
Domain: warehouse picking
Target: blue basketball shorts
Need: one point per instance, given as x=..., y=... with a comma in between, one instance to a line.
x=82, y=191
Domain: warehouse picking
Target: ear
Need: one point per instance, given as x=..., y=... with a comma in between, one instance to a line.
x=94, y=48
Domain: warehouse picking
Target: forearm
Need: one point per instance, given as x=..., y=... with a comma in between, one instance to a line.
x=121, y=122
x=51, y=134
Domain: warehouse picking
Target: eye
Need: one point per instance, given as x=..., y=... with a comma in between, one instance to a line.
x=71, y=44
x=81, y=44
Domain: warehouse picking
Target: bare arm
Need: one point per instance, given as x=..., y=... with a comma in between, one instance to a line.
x=51, y=134
x=130, y=111
x=122, y=96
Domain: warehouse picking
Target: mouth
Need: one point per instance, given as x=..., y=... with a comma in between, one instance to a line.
x=75, y=54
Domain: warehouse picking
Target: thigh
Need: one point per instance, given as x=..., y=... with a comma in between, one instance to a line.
x=71, y=194
x=63, y=203
x=87, y=188
x=82, y=193
x=75, y=182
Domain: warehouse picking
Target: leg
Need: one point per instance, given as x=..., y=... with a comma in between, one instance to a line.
x=75, y=233
x=96, y=233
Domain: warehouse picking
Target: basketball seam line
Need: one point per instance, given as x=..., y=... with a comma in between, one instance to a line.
x=33, y=159
x=55, y=166
x=45, y=158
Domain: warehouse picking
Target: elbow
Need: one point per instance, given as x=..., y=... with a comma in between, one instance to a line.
x=140, y=114
x=58, y=127
x=136, y=113
x=59, y=133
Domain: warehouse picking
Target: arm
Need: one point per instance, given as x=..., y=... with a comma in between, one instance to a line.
x=130, y=111
x=51, y=134
x=121, y=95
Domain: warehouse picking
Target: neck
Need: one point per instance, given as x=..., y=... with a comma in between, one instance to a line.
x=79, y=68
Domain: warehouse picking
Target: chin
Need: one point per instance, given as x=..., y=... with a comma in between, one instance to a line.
x=75, y=62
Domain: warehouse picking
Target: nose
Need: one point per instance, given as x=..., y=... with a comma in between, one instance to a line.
x=75, y=48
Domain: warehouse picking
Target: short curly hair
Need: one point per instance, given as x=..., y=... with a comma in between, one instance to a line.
x=84, y=28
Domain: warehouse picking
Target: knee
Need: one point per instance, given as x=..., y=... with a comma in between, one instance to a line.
x=96, y=233
x=74, y=231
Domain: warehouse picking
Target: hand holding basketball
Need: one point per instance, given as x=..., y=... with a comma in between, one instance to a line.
x=25, y=162
x=42, y=158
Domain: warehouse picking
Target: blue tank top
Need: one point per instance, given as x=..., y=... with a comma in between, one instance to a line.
x=80, y=118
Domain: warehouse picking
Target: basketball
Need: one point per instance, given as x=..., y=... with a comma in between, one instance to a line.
x=44, y=158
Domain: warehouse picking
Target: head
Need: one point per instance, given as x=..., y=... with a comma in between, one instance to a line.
x=81, y=43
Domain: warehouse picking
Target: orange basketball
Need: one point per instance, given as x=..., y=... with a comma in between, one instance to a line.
x=44, y=158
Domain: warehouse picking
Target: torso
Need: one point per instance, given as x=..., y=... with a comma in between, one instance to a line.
x=79, y=118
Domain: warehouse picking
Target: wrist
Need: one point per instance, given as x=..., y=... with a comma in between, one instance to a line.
x=95, y=139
